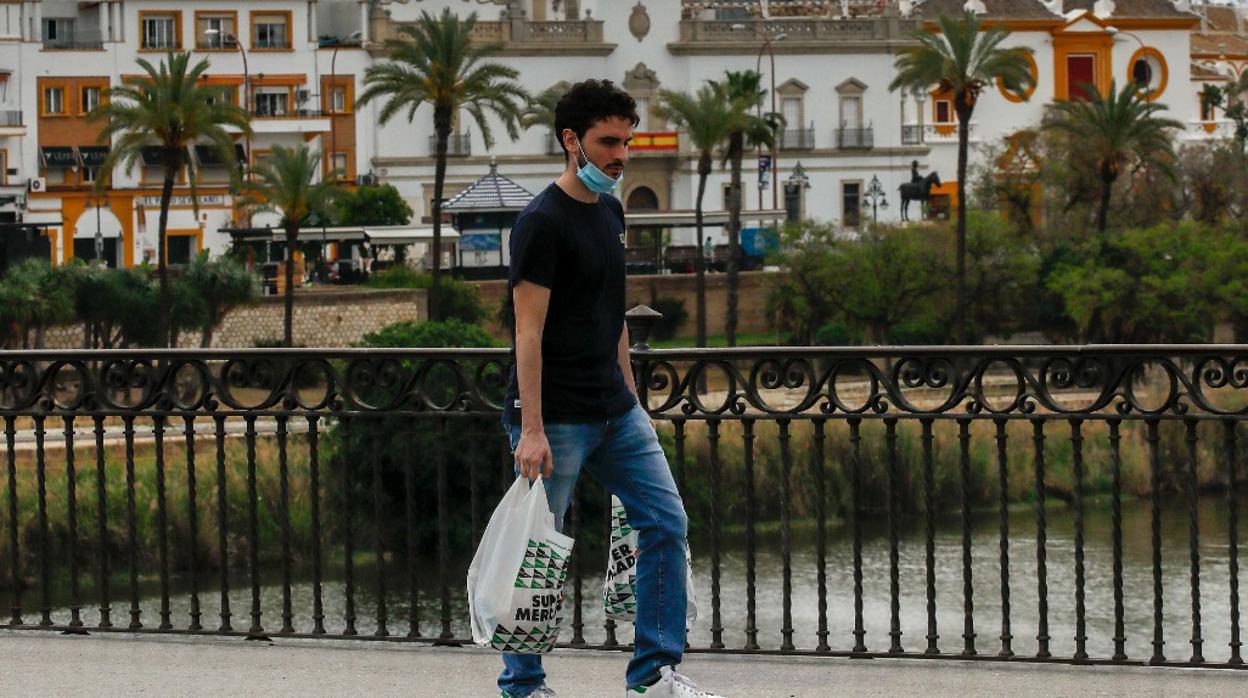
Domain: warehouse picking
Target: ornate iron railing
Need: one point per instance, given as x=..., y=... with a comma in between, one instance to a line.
x=333, y=414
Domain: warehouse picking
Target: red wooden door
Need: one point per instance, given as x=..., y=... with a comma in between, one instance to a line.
x=1080, y=76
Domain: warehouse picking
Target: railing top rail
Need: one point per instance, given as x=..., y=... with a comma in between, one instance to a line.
x=721, y=353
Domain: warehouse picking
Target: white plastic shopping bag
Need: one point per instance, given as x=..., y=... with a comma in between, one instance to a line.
x=515, y=582
x=619, y=592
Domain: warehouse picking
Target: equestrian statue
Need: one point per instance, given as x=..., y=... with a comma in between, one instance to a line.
x=919, y=188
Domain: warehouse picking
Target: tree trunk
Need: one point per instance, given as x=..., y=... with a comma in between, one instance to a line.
x=704, y=169
x=292, y=236
x=162, y=302
x=735, y=153
x=961, y=327
x=442, y=127
x=1102, y=211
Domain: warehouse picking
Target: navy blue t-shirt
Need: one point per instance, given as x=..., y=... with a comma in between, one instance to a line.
x=576, y=250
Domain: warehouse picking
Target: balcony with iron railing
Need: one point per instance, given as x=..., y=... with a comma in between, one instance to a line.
x=699, y=36
x=69, y=38
x=457, y=145
x=855, y=138
x=912, y=134
x=797, y=138
x=522, y=36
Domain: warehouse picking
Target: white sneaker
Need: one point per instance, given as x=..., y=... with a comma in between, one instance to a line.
x=671, y=684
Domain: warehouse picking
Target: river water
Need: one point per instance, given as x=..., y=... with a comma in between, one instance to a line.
x=1137, y=584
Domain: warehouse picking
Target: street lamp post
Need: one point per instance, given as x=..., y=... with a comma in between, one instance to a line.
x=228, y=37
x=333, y=111
x=879, y=198
x=1141, y=82
x=758, y=65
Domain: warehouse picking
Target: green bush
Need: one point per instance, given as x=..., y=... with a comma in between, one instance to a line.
x=674, y=316
x=918, y=331
x=459, y=299
x=837, y=333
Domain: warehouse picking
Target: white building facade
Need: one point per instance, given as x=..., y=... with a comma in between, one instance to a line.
x=298, y=64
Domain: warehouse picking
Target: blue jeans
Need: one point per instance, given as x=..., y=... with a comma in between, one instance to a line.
x=624, y=456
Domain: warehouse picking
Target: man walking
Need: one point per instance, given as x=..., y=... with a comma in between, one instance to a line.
x=571, y=403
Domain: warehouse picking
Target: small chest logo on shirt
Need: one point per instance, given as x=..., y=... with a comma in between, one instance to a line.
x=622, y=239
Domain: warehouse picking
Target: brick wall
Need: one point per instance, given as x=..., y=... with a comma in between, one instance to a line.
x=643, y=289
x=330, y=318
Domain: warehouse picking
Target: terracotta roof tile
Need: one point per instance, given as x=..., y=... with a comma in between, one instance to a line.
x=1133, y=8
x=997, y=9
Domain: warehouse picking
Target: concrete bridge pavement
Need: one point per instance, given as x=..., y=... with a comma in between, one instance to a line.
x=34, y=663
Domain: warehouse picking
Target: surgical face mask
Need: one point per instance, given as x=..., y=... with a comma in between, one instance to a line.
x=593, y=178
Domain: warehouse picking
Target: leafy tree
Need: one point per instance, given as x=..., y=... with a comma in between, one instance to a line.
x=223, y=284
x=1115, y=132
x=436, y=62
x=287, y=184
x=116, y=307
x=460, y=300
x=704, y=117
x=962, y=58
x=34, y=295
x=1166, y=283
x=380, y=205
x=170, y=109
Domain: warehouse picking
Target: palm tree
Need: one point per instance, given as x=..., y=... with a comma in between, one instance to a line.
x=287, y=184
x=168, y=109
x=963, y=59
x=541, y=109
x=741, y=92
x=704, y=118
x=1113, y=130
x=436, y=62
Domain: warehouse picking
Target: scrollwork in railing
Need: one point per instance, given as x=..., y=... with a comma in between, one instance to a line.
x=998, y=381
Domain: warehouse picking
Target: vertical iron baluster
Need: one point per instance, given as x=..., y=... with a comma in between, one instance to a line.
x=101, y=492
x=609, y=625
x=1003, y=498
x=256, y=631
x=894, y=555
x=578, y=621
x=1193, y=494
x=162, y=522
x=717, y=630
x=1081, y=634
x=223, y=525
x=821, y=534
x=1042, y=569
x=192, y=518
x=1154, y=458
x=132, y=525
x=1115, y=457
x=413, y=565
x=379, y=542
x=929, y=533
x=786, y=542
x=679, y=470
x=314, y=485
x=348, y=528
x=1232, y=505
x=751, y=619
x=968, y=588
x=45, y=542
x=855, y=479
x=444, y=541
x=15, y=556
x=474, y=494
x=283, y=484
x=71, y=492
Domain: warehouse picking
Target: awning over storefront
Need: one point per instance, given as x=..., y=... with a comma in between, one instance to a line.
x=688, y=219
x=151, y=157
x=209, y=156
x=306, y=234
x=57, y=156
x=405, y=234
x=92, y=155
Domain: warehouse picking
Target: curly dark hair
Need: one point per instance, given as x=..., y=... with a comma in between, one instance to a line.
x=590, y=101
